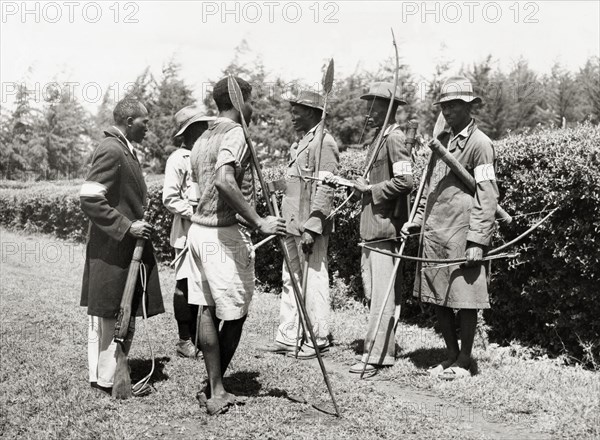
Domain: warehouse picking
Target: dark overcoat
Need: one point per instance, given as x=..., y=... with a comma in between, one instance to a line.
x=113, y=196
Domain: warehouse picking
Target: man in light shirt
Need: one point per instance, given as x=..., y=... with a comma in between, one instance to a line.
x=191, y=123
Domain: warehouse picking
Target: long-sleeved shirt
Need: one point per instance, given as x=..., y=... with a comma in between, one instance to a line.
x=391, y=177
x=299, y=208
x=176, y=195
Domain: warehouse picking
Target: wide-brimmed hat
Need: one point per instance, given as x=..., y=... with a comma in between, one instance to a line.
x=309, y=99
x=187, y=116
x=383, y=90
x=458, y=87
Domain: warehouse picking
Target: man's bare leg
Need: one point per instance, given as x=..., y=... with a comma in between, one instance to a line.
x=445, y=317
x=229, y=338
x=221, y=346
x=468, y=326
x=209, y=343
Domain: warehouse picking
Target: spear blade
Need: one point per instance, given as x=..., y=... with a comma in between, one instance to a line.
x=328, y=78
x=235, y=94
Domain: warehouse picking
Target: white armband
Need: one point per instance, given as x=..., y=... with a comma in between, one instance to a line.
x=92, y=189
x=402, y=168
x=484, y=172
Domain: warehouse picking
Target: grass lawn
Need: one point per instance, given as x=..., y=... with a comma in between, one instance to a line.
x=44, y=391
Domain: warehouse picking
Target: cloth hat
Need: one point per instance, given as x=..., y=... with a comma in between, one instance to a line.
x=383, y=90
x=309, y=99
x=457, y=87
x=187, y=116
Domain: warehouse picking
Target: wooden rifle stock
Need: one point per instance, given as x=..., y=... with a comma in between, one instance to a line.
x=411, y=137
x=122, y=380
x=462, y=174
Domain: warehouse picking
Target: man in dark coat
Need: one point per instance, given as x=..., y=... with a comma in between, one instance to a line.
x=114, y=197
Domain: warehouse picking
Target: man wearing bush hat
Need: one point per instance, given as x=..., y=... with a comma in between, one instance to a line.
x=305, y=208
x=384, y=210
x=191, y=122
x=113, y=197
x=456, y=223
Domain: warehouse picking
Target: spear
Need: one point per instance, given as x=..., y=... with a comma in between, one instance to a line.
x=235, y=94
x=327, y=83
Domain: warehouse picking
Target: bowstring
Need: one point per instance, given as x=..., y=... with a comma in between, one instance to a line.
x=366, y=122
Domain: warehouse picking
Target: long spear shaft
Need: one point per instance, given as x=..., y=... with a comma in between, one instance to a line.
x=392, y=282
x=238, y=101
x=327, y=86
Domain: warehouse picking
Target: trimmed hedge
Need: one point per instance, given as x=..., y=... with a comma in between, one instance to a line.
x=548, y=296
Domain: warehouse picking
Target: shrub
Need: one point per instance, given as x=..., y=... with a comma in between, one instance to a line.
x=548, y=296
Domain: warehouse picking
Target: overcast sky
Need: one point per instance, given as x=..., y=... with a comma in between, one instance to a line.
x=80, y=42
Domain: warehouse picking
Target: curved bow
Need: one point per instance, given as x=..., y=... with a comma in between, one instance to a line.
x=381, y=136
x=488, y=256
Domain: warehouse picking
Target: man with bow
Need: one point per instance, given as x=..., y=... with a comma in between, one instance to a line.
x=384, y=211
x=456, y=222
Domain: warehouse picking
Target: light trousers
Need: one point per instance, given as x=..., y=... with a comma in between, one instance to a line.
x=102, y=361
x=376, y=270
x=317, y=293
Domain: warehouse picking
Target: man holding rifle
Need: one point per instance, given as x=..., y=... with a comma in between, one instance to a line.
x=307, y=229
x=113, y=198
x=222, y=273
x=456, y=222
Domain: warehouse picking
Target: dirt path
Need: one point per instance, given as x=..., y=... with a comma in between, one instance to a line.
x=428, y=404
x=410, y=403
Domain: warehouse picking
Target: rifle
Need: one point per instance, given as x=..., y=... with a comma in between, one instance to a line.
x=122, y=380
x=462, y=174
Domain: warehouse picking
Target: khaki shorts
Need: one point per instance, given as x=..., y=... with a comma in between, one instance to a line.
x=221, y=269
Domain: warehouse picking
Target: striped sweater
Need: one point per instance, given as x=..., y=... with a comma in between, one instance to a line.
x=222, y=144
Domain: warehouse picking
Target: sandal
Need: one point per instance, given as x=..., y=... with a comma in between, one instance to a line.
x=452, y=373
x=306, y=352
x=436, y=371
x=202, y=399
x=218, y=405
x=370, y=370
x=232, y=399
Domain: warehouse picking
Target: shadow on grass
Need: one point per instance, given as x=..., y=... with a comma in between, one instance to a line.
x=141, y=367
x=243, y=383
x=426, y=358
x=358, y=347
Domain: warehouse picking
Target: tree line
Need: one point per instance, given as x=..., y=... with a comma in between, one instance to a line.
x=55, y=140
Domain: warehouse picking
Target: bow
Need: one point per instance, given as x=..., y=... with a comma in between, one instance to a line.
x=381, y=136
x=493, y=253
